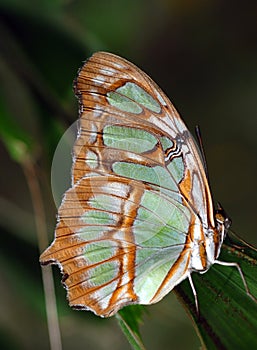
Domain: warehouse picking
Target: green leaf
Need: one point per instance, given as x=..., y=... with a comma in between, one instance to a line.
x=129, y=320
x=227, y=317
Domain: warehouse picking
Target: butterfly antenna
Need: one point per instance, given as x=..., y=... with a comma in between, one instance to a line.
x=243, y=245
x=200, y=143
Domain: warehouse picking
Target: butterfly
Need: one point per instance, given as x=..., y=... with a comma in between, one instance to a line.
x=139, y=216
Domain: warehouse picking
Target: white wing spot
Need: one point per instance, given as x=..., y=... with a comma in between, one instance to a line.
x=108, y=71
x=161, y=100
x=99, y=79
x=93, y=134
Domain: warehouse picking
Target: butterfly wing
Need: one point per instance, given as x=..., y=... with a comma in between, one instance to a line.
x=138, y=191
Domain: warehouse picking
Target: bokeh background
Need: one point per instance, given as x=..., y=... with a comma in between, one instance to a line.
x=204, y=56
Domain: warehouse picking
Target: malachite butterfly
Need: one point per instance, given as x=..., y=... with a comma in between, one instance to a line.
x=139, y=217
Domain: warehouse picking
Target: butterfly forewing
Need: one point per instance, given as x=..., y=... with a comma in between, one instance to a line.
x=138, y=191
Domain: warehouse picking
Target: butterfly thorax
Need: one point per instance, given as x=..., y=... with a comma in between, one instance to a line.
x=205, y=250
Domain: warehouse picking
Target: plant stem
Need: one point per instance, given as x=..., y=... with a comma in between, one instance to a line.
x=47, y=276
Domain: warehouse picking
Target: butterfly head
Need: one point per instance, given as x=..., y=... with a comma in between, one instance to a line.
x=223, y=223
x=222, y=218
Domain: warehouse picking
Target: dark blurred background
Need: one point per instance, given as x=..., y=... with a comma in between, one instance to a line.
x=204, y=56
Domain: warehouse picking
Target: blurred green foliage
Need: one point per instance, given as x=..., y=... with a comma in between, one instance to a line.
x=203, y=54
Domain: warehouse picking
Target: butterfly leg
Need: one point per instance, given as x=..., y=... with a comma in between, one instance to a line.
x=194, y=293
x=225, y=263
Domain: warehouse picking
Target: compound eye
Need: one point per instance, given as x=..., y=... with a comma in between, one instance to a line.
x=220, y=218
